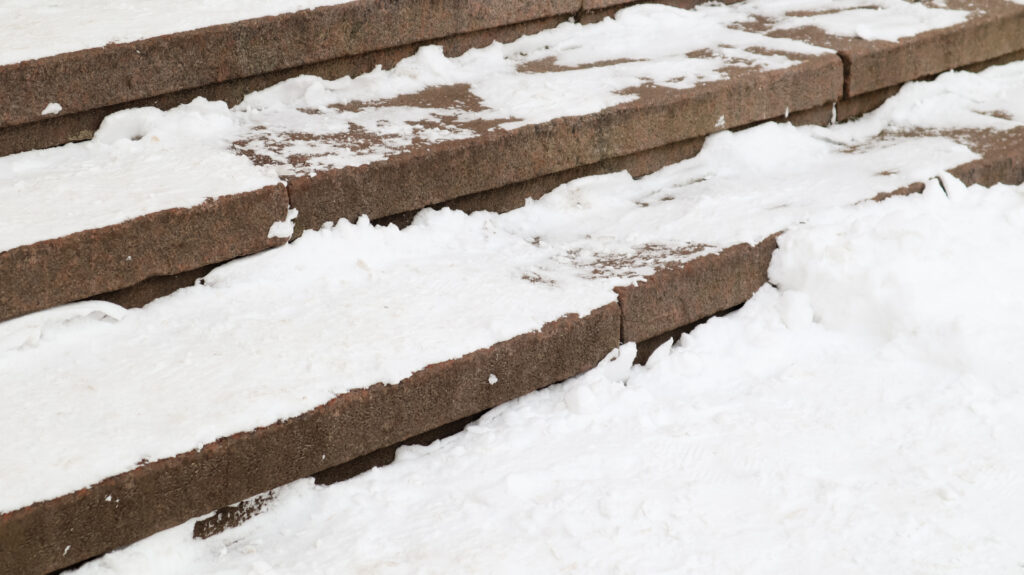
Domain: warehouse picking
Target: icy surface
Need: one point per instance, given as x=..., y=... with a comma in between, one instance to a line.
x=243, y=351
x=861, y=417
x=37, y=29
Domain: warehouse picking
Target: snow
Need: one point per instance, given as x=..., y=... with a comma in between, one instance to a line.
x=888, y=20
x=35, y=29
x=145, y=160
x=860, y=415
x=591, y=67
x=125, y=386
x=140, y=161
x=51, y=109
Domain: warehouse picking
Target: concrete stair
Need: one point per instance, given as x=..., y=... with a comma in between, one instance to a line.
x=596, y=278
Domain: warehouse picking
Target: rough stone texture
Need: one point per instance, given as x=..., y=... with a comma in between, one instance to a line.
x=514, y=196
x=53, y=534
x=76, y=127
x=386, y=455
x=680, y=295
x=91, y=262
x=118, y=73
x=150, y=289
x=1002, y=160
x=994, y=30
x=433, y=174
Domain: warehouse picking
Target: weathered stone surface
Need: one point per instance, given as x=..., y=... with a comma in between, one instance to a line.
x=119, y=73
x=438, y=173
x=53, y=534
x=91, y=262
x=150, y=289
x=74, y=127
x=386, y=455
x=1002, y=160
x=680, y=295
x=514, y=196
x=993, y=31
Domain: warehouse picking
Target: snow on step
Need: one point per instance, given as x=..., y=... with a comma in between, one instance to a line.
x=306, y=125
x=863, y=417
x=35, y=30
x=277, y=334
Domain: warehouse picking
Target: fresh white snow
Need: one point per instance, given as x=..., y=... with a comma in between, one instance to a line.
x=860, y=415
x=35, y=29
x=364, y=304
x=51, y=109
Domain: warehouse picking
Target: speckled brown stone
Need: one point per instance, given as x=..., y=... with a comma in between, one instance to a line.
x=994, y=30
x=1002, y=160
x=83, y=264
x=118, y=73
x=73, y=127
x=442, y=172
x=150, y=289
x=386, y=455
x=514, y=196
x=680, y=295
x=53, y=534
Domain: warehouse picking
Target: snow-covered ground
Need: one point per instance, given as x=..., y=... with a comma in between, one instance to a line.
x=860, y=415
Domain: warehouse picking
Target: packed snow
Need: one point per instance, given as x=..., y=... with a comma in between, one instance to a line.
x=36, y=29
x=861, y=414
x=379, y=293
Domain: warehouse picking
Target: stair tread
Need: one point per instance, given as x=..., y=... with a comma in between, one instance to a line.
x=430, y=130
x=276, y=335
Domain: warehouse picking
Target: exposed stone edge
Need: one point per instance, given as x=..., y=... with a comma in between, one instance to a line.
x=120, y=510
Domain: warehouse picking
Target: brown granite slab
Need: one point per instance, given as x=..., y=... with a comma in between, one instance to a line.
x=120, y=510
x=83, y=264
x=994, y=29
x=117, y=73
x=432, y=174
x=679, y=295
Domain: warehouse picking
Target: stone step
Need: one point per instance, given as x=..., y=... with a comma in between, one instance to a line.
x=355, y=337
x=139, y=58
x=159, y=193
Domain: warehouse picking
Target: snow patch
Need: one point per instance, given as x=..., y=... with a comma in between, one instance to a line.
x=285, y=228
